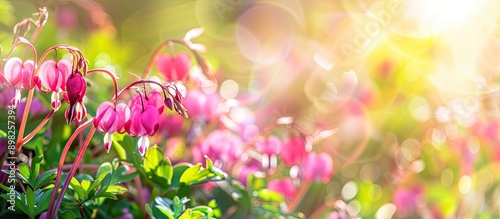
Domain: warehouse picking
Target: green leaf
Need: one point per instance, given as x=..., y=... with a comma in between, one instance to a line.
x=75, y=185
x=35, y=167
x=176, y=176
x=217, y=213
x=207, y=211
x=46, y=177
x=158, y=170
x=186, y=214
x=30, y=200
x=161, y=208
x=153, y=158
x=196, y=175
x=178, y=206
x=191, y=174
x=43, y=202
x=106, y=195
x=24, y=170
x=104, y=168
x=115, y=189
x=208, y=162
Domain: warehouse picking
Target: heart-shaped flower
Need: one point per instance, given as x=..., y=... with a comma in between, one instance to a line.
x=144, y=120
x=293, y=151
x=269, y=145
x=174, y=68
x=75, y=88
x=284, y=186
x=52, y=77
x=75, y=91
x=317, y=167
x=109, y=119
x=202, y=106
x=154, y=98
x=18, y=74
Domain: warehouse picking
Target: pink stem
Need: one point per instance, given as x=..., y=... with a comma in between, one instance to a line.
x=72, y=171
x=19, y=143
x=299, y=196
x=40, y=126
x=110, y=75
x=61, y=162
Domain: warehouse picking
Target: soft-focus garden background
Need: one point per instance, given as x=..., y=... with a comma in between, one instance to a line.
x=411, y=86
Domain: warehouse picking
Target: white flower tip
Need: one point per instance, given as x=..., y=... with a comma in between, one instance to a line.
x=193, y=33
x=198, y=47
x=108, y=141
x=143, y=145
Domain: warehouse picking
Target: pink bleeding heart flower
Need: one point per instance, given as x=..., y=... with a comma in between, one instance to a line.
x=75, y=91
x=144, y=120
x=154, y=98
x=317, y=167
x=174, y=68
x=223, y=147
x=246, y=170
x=170, y=125
x=52, y=77
x=284, y=186
x=270, y=145
x=202, y=106
x=293, y=151
x=406, y=200
x=18, y=74
x=110, y=119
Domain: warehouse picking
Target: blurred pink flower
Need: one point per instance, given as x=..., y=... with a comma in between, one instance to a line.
x=36, y=108
x=174, y=68
x=269, y=145
x=170, y=125
x=247, y=169
x=66, y=17
x=202, y=106
x=405, y=199
x=223, y=147
x=126, y=214
x=293, y=150
x=338, y=215
x=283, y=186
x=317, y=167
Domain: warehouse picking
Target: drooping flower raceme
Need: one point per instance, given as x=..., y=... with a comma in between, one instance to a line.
x=75, y=91
x=18, y=74
x=110, y=119
x=144, y=119
x=52, y=77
